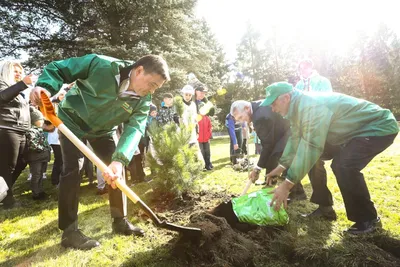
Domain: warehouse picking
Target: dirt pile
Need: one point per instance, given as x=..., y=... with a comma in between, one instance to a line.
x=219, y=244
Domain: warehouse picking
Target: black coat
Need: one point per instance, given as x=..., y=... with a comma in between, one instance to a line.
x=273, y=131
x=14, y=109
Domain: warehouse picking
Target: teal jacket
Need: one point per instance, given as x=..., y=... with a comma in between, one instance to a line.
x=333, y=118
x=315, y=83
x=93, y=108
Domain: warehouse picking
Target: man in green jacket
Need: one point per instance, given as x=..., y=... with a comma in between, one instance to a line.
x=107, y=92
x=348, y=130
x=312, y=81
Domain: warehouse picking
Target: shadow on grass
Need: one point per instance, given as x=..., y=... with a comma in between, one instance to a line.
x=29, y=207
x=28, y=245
x=158, y=257
x=376, y=249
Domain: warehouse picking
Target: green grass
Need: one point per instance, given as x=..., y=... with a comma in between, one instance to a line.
x=29, y=235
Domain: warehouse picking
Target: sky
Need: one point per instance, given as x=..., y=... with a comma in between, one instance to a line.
x=331, y=23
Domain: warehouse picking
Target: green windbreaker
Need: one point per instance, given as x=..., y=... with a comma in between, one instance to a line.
x=315, y=83
x=92, y=108
x=333, y=118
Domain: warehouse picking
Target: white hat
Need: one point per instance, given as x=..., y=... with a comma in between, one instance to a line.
x=187, y=89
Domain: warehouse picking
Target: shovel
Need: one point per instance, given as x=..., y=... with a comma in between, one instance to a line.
x=48, y=111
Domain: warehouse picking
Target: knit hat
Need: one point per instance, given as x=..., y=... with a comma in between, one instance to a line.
x=153, y=107
x=201, y=87
x=36, y=115
x=187, y=89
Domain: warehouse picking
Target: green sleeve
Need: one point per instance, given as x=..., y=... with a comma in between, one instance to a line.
x=69, y=70
x=134, y=129
x=325, y=85
x=300, y=85
x=290, y=148
x=314, y=125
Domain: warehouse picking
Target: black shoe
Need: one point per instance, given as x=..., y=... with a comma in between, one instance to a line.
x=293, y=196
x=124, y=227
x=102, y=191
x=12, y=205
x=208, y=168
x=76, y=239
x=325, y=212
x=364, y=227
x=41, y=196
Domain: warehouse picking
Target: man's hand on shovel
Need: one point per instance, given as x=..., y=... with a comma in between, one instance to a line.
x=110, y=177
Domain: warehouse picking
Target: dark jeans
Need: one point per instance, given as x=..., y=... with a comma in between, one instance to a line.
x=321, y=194
x=135, y=167
x=12, y=144
x=244, y=146
x=205, y=151
x=348, y=161
x=68, y=199
x=235, y=153
x=57, y=164
x=37, y=169
x=87, y=169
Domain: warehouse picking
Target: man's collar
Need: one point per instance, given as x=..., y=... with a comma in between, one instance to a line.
x=124, y=82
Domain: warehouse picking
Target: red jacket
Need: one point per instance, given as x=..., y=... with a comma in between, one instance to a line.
x=205, y=129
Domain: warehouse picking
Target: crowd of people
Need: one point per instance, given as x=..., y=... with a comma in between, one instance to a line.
x=107, y=103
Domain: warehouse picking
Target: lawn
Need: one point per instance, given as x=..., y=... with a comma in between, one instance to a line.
x=29, y=235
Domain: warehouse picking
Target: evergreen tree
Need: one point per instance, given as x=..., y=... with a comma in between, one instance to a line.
x=175, y=164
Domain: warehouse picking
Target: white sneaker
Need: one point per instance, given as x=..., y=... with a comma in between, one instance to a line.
x=44, y=176
x=29, y=177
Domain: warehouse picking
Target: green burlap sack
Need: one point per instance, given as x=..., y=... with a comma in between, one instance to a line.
x=254, y=208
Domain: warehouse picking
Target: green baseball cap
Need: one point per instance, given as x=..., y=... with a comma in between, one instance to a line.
x=274, y=90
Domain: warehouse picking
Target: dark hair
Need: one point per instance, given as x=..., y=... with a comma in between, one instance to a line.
x=153, y=64
x=168, y=95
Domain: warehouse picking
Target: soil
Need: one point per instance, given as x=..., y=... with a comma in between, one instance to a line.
x=225, y=242
x=219, y=244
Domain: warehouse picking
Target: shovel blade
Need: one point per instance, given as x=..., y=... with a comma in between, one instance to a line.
x=186, y=231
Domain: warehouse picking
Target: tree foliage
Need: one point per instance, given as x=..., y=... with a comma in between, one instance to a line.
x=56, y=29
x=174, y=163
x=369, y=69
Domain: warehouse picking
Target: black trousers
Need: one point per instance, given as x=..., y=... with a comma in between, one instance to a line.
x=57, y=164
x=135, y=167
x=321, y=194
x=348, y=160
x=68, y=199
x=37, y=169
x=244, y=146
x=206, y=152
x=13, y=147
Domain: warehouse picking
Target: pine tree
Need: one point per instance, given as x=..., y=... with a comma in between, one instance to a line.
x=174, y=163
